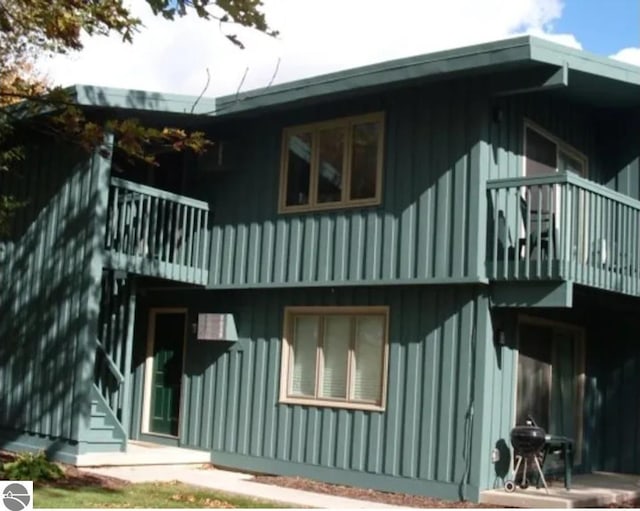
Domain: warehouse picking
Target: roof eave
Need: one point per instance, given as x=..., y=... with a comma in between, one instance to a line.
x=523, y=50
x=138, y=100
x=481, y=57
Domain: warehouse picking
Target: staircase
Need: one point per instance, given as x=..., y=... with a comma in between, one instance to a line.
x=110, y=393
x=105, y=434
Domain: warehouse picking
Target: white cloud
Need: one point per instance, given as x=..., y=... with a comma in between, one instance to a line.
x=316, y=36
x=564, y=39
x=628, y=55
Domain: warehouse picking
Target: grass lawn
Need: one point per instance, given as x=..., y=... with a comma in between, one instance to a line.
x=146, y=495
x=73, y=488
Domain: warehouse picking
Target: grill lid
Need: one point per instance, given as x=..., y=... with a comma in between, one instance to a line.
x=528, y=438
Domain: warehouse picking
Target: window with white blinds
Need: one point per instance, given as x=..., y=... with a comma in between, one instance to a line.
x=335, y=356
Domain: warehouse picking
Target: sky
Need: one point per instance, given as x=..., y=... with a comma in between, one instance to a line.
x=319, y=36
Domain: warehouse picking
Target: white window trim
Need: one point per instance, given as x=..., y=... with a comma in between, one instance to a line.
x=287, y=355
x=315, y=128
x=560, y=145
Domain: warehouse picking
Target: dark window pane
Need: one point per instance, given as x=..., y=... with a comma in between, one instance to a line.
x=331, y=153
x=298, y=169
x=364, y=160
x=540, y=153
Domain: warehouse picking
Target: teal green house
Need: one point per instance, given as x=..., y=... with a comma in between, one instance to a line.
x=370, y=280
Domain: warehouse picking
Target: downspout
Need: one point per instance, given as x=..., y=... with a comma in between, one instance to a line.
x=469, y=415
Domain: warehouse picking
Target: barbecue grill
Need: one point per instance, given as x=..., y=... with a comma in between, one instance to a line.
x=528, y=442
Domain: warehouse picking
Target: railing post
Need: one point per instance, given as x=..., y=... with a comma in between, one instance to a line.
x=127, y=390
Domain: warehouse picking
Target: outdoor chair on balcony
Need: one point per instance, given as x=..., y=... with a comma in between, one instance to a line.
x=539, y=232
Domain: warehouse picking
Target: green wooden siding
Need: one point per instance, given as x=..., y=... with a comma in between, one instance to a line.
x=426, y=228
x=623, y=151
x=493, y=411
x=49, y=292
x=422, y=439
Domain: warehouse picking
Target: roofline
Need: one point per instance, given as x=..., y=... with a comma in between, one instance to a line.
x=476, y=58
x=108, y=97
x=548, y=52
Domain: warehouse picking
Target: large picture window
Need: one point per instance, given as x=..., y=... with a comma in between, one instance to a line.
x=332, y=164
x=335, y=356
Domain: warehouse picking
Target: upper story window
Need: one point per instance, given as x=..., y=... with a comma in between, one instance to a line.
x=332, y=164
x=546, y=154
x=335, y=356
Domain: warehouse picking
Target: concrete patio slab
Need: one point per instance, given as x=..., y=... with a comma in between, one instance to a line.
x=588, y=490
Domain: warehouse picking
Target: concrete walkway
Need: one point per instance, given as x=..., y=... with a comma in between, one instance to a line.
x=232, y=482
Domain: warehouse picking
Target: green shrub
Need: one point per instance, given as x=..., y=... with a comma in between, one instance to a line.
x=31, y=467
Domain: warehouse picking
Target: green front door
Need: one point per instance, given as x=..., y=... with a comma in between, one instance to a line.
x=166, y=378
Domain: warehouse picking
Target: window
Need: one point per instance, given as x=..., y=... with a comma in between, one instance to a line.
x=332, y=164
x=335, y=356
x=546, y=154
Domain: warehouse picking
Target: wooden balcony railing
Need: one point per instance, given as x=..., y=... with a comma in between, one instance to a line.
x=563, y=227
x=157, y=233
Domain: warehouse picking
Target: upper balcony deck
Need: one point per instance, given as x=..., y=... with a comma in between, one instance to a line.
x=563, y=227
x=157, y=233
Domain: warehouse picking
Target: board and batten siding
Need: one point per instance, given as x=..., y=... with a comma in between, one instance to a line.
x=622, y=146
x=612, y=378
x=420, y=443
x=49, y=296
x=426, y=228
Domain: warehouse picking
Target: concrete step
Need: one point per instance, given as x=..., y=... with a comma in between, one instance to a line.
x=106, y=435
x=143, y=453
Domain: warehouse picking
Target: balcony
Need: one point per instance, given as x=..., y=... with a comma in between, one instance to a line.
x=157, y=233
x=565, y=228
